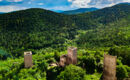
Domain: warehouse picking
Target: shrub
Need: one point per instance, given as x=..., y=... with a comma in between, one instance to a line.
x=122, y=53
x=57, y=56
x=4, y=55
x=90, y=64
x=72, y=72
x=121, y=72
x=127, y=68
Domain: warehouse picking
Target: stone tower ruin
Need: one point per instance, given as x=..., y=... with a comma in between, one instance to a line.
x=70, y=58
x=109, y=69
x=72, y=55
x=28, y=59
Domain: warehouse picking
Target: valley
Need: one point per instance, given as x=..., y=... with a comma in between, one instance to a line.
x=48, y=35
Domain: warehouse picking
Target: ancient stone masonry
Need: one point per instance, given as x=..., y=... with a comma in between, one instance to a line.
x=70, y=58
x=109, y=69
x=63, y=59
x=28, y=59
x=72, y=55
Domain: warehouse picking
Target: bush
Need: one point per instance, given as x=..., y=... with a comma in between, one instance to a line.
x=52, y=72
x=57, y=56
x=127, y=68
x=121, y=72
x=72, y=72
x=122, y=53
x=4, y=55
x=90, y=64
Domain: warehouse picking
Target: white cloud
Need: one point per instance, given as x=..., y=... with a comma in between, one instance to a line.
x=79, y=3
x=1, y=0
x=10, y=8
x=64, y=8
x=40, y=3
x=29, y=2
x=14, y=0
x=126, y=0
x=95, y=3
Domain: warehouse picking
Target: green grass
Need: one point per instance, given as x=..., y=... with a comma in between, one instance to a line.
x=95, y=76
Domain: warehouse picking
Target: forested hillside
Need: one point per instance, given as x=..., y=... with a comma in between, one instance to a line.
x=102, y=16
x=34, y=29
x=48, y=34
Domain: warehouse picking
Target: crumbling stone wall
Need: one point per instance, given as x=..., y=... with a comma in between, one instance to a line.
x=28, y=59
x=63, y=59
x=109, y=69
x=70, y=58
x=72, y=55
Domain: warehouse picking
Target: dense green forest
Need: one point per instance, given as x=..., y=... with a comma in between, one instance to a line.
x=48, y=34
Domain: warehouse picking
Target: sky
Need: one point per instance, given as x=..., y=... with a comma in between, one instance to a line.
x=55, y=5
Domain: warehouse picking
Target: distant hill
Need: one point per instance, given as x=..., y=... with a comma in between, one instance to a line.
x=58, y=11
x=1, y=12
x=34, y=29
x=125, y=3
x=104, y=16
x=81, y=10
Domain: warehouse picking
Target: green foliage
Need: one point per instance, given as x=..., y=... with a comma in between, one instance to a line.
x=72, y=72
x=122, y=53
x=34, y=29
x=14, y=69
x=38, y=28
x=90, y=64
x=48, y=34
x=95, y=76
x=127, y=68
x=4, y=55
x=105, y=16
x=121, y=72
x=57, y=56
x=53, y=72
x=104, y=36
x=92, y=61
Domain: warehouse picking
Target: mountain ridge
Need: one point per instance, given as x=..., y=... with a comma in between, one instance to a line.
x=80, y=10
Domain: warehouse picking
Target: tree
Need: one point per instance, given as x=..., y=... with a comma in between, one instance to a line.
x=72, y=72
x=121, y=72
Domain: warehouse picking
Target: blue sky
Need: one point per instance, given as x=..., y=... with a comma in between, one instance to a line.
x=55, y=5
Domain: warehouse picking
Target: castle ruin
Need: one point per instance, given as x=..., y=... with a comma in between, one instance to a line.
x=109, y=69
x=28, y=59
x=70, y=58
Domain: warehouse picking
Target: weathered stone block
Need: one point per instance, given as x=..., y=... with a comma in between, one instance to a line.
x=109, y=69
x=63, y=59
x=28, y=59
x=72, y=55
